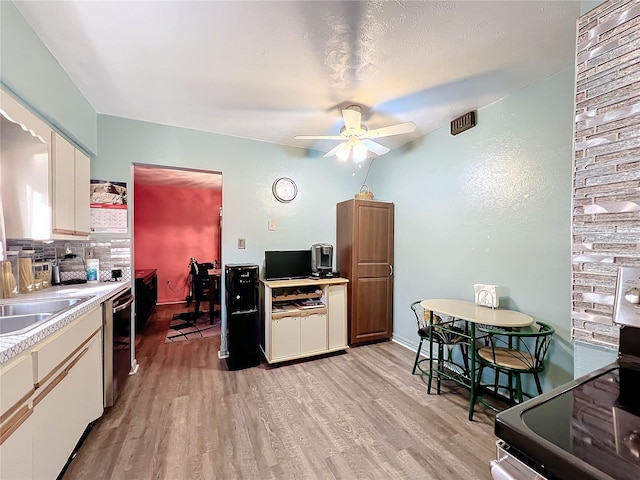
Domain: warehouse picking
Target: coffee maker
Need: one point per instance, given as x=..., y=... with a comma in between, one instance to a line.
x=321, y=260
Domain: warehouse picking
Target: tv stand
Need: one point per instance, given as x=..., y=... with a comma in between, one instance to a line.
x=303, y=317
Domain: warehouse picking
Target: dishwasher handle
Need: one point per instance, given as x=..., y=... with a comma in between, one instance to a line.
x=117, y=306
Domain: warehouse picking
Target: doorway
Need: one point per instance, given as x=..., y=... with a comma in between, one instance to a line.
x=176, y=218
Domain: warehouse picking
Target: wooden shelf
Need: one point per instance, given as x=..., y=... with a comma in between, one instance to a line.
x=295, y=296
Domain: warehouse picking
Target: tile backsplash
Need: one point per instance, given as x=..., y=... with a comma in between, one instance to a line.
x=112, y=254
x=606, y=170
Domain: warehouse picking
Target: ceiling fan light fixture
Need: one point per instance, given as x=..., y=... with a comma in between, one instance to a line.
x=343, y=152
x=357, y=138
x=360, y=152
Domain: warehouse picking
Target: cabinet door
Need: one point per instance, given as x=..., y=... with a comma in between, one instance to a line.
x=313, y=333
x=337, y=313
x=15, y=441
x=372, y=280
x=15, y=453
x=285, y=337
x=82, y=193
x=63, y=181
x=371, y=310
x=24, y=163
x=62, y=413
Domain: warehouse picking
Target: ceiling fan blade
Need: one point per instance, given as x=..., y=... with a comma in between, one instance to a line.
x=334, y=150
x=375, y=147
x=318, y=137
x=407, y=127
x=351, y=119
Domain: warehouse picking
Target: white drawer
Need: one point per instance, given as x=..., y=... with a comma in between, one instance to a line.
x=55, y=351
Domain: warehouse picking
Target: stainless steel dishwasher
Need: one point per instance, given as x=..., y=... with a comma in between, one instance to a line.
x=118, y=339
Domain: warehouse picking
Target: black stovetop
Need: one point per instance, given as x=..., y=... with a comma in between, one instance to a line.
x=587, y=429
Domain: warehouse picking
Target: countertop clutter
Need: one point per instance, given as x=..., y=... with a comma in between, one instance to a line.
x=12, y=344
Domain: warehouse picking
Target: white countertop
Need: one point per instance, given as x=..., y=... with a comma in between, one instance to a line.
x=12, y=344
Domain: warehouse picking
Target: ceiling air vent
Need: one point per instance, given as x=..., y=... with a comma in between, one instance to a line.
x=465, y=122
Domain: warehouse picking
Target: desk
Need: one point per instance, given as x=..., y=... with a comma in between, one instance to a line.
x=473, y=314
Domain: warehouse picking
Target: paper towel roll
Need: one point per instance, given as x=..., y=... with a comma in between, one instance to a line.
x=93, y=270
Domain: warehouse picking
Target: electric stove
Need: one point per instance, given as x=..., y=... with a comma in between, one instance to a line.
x=588, y=429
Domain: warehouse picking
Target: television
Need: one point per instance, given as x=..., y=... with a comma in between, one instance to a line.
x=286, y=264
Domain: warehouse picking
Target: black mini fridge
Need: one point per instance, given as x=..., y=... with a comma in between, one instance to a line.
x=242, y=302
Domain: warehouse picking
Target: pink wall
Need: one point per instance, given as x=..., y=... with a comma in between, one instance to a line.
x=171, y=225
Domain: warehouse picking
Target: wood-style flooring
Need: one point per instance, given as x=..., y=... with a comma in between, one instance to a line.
x=359, y=414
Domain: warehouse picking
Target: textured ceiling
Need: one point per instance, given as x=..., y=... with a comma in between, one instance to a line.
x=269, y=70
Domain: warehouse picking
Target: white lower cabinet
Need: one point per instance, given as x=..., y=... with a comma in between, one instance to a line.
x=298, y=335
x=313, y=332
x=48, y=396
x=337, y=313
x=63, y=413
x=16, y=388
x=286, y=337
x=303, y=318
x=16, y=461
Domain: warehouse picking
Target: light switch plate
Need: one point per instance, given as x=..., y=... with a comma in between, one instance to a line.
x=241, y=243
x=271, y=225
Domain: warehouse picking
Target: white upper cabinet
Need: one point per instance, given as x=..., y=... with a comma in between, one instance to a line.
x=44, y=179
x=70, y=188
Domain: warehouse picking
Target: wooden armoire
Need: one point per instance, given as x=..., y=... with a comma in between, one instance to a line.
x=364, y=255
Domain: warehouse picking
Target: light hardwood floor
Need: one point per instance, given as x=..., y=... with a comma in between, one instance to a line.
x=360, y=414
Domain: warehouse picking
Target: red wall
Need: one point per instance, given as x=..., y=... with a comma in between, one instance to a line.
x=171, y=225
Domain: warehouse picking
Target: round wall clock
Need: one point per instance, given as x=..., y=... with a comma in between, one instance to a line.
x=284, y=189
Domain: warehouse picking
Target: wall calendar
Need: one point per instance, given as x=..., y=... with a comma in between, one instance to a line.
x=108, y=207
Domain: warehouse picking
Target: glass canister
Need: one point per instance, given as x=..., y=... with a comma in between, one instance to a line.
x=41, y=275
x=8, y=284
x=26, y=281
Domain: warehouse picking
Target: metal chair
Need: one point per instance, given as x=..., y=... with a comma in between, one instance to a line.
x=448, y=338
x=513, y=353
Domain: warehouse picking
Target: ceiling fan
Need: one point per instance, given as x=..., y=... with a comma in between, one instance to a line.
x=357, y=138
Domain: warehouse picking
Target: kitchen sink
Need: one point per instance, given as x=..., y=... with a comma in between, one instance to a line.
x=23, y=316
x=21, y=323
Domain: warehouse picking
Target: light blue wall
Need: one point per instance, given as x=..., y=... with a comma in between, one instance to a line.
x=490, y=205
x=586, y=5
x=248, y=170
x=29, y=70
x=588, y=358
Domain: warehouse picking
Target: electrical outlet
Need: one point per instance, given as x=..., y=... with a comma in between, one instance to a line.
x=89, y=252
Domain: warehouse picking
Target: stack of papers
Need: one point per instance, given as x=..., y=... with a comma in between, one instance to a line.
x=310, y=303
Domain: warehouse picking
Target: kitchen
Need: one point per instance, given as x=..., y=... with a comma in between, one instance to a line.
x=525, y=223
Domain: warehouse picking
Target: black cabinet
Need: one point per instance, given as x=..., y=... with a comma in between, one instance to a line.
x=146, y=295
